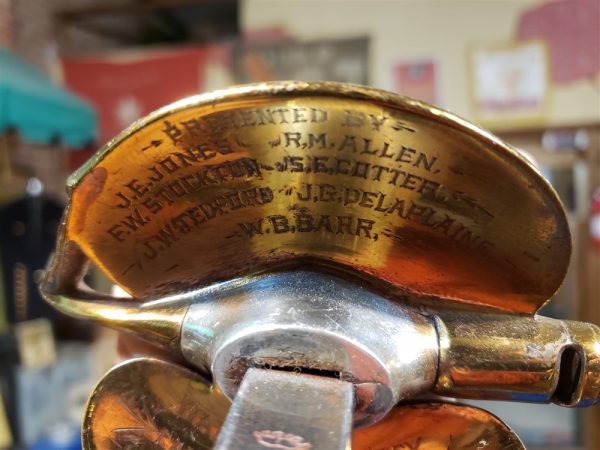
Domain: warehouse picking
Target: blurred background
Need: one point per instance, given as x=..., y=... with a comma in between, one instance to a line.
x=73, y=73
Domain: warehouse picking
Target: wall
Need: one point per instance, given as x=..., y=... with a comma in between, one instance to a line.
x=441, y=30
x=32, y=29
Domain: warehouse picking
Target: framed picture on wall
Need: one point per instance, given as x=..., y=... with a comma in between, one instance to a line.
x=509, y=83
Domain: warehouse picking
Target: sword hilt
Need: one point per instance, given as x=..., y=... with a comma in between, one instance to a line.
x=371, y=246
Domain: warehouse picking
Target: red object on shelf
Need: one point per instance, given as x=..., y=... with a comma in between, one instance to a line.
x=416, y=80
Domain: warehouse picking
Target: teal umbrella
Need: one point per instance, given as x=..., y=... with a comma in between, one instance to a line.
x=38, y=109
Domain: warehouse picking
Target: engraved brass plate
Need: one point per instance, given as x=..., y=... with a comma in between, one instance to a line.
x=225, y=184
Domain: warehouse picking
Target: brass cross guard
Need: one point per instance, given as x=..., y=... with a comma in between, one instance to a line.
x=351, y=237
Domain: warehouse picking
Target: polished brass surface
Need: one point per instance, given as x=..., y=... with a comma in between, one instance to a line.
x=158, y=322
x=236, y=181
x=147, y=403
x=328, y=229
x=437, y=426
x=518, y=358
x=151, y=404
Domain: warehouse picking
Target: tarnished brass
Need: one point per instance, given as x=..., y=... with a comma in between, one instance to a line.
x=437, y=426
x=147, y=403
x=227, y=183
x=531, y=359
x=328, y=229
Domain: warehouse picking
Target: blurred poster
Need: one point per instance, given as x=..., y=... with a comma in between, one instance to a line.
x=332, y=60
x=510, y=82
x=128, y=85
x=571, y=30
x=416, y=80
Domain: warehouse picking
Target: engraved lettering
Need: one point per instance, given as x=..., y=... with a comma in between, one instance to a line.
x=282, y=112
x=429, y=187
x=401, y=126
x=150, y=251
x=307, y=194
x=295, y=163
x=167, y=236
x=361, y=169
x=376, y=172
x=380, y=203
x=324, y=224
x=304, y=222
x=179, y=184
x=353, y=119
x=343, y=225
x=299, y=115
x=327, y=193
x=180, y=223
x=171, y=131
x=342, y=166
x=279, y=223
x=117, y=233
x=265, y=116
x=135, y=220
x=377, y=121
x=135, y=187
x=195, y=216
x=384, y=153
x=367, y=199
x=406, y=155
x=318, y=165
x=410, y=210
x=351, y=196
x=280, y=440
x=349, y=142
x=252, y=228
x=156, y=174
x=367, y=148
x=193, y=127
x=321, y=139
x=427, y=164
x=292, y=137
x=126, y=202
x=410, y=182
x=397, y=207
x=318, y=115
x=365, y=226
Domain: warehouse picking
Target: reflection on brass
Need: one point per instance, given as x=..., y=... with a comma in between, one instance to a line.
x=152, y=404
x=531, y=359
x=240, y=180
x=147, y=403
x=330, y=230
x=437, y=426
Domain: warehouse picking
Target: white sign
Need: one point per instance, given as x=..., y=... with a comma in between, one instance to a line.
x=510, y=82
